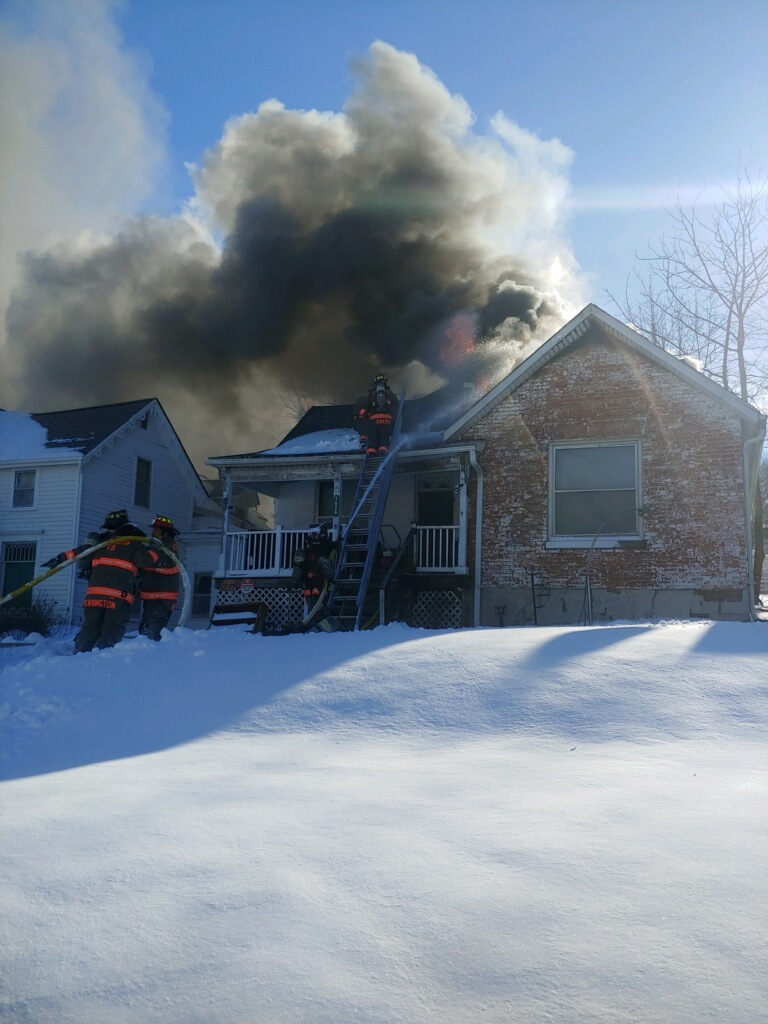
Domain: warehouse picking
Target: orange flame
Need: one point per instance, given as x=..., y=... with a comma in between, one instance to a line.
x=459, y=340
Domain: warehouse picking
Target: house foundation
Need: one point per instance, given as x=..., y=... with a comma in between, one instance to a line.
x=561, y=606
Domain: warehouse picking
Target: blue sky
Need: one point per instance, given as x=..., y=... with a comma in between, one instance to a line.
x=609, y=111
x=653, y=98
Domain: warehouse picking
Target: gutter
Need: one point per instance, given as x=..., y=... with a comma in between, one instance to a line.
x=329, y=458
x=478, y=535
x=33, y=462
x=75, y=541
x=750, y=479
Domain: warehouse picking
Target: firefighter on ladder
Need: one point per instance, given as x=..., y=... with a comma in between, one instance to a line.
x=312, y=567
x=375, y=415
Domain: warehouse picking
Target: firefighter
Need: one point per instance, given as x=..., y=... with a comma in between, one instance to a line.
x=312, y=565
x=375, y=415
x=112, y=582
x=160, y=583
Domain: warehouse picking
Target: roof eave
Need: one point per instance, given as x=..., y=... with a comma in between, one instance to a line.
x=570, y=333
x=71, y=459
x=119, y=432
x=282, y=463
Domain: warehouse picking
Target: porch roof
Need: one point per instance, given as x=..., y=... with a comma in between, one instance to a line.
x=322, y=461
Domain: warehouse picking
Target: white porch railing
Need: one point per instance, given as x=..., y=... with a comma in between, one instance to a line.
x=263, y=552
x=436, y=548
x=270, y=552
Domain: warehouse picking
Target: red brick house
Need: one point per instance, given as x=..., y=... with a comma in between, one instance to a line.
x=603, y=479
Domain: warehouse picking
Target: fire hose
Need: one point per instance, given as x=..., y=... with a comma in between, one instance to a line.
x=185, y=608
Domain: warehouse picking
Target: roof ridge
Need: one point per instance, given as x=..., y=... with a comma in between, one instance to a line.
x=89, y=408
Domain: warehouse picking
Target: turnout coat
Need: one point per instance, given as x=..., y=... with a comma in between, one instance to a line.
x=113, y=573
x=160, y=582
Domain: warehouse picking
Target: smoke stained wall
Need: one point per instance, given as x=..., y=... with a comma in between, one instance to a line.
x=318, y=249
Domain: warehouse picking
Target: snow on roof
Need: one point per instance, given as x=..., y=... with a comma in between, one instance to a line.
x=318, y=443
x=22, y=439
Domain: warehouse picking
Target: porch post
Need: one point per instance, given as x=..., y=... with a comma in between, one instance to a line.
x=227, y=498
x=337, y=485
x=278, y=556
x=461, y=554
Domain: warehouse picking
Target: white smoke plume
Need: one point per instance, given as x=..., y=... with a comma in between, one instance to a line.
x=391, y=235
x=81, y=135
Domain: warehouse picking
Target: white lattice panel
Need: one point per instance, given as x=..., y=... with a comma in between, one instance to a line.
x=286, y=604
x=437, y=609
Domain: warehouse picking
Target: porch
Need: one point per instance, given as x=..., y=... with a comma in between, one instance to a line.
x=269, y=553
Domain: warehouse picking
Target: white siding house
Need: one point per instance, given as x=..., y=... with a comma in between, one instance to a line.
x=60, y=473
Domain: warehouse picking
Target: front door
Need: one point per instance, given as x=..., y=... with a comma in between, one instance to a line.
x=436, y=499
x=436, y=514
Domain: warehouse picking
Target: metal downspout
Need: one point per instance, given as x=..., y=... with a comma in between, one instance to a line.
x=75, y=539
x=478, y=535
x=749, y=498
x=226, y=498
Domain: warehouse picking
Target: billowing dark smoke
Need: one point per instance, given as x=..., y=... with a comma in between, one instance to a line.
x=386, y=237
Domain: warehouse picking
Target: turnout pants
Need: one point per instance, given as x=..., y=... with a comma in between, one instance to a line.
x=155, y=617
x=103, y=626
x=379, y=434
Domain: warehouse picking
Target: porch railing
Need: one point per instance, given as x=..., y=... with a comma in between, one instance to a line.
x=263, y=552
x=270, y=552
x=436, y=548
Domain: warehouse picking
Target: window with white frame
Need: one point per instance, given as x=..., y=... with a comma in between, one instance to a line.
x=24, y=488
x=594, y=490
x=142, y=491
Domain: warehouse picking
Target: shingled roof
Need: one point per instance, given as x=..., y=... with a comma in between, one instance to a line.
x=85, y=429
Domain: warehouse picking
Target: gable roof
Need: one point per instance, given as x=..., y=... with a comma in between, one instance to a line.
x=88, y=431
x=567, y=336
x=85, y=430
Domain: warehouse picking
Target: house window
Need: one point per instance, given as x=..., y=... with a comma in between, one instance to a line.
x=594, y=489
x=143, y=488
x=201, y=595
x=18, y=568
x=24, y=488
x=325, y=499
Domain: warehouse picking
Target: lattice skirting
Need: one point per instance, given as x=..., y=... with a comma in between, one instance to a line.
x=432, y=609
x=438, y=609
x=286, y=604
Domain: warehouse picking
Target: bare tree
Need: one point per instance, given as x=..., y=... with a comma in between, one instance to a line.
x=295, y=399
x=703, y=292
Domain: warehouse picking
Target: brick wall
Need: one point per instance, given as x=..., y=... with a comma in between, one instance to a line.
x=692, y=475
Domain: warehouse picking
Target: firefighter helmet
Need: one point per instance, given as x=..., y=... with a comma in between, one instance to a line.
x=318, y=531
x=114, y=520
x=379, y=381
x=164, y=523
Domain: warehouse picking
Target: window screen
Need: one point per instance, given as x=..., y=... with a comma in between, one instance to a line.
x=595, y=489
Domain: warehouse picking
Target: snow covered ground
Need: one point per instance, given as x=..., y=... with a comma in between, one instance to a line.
x=509, y=825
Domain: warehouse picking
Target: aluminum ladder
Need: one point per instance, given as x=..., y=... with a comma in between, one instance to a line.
x=350, y=597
